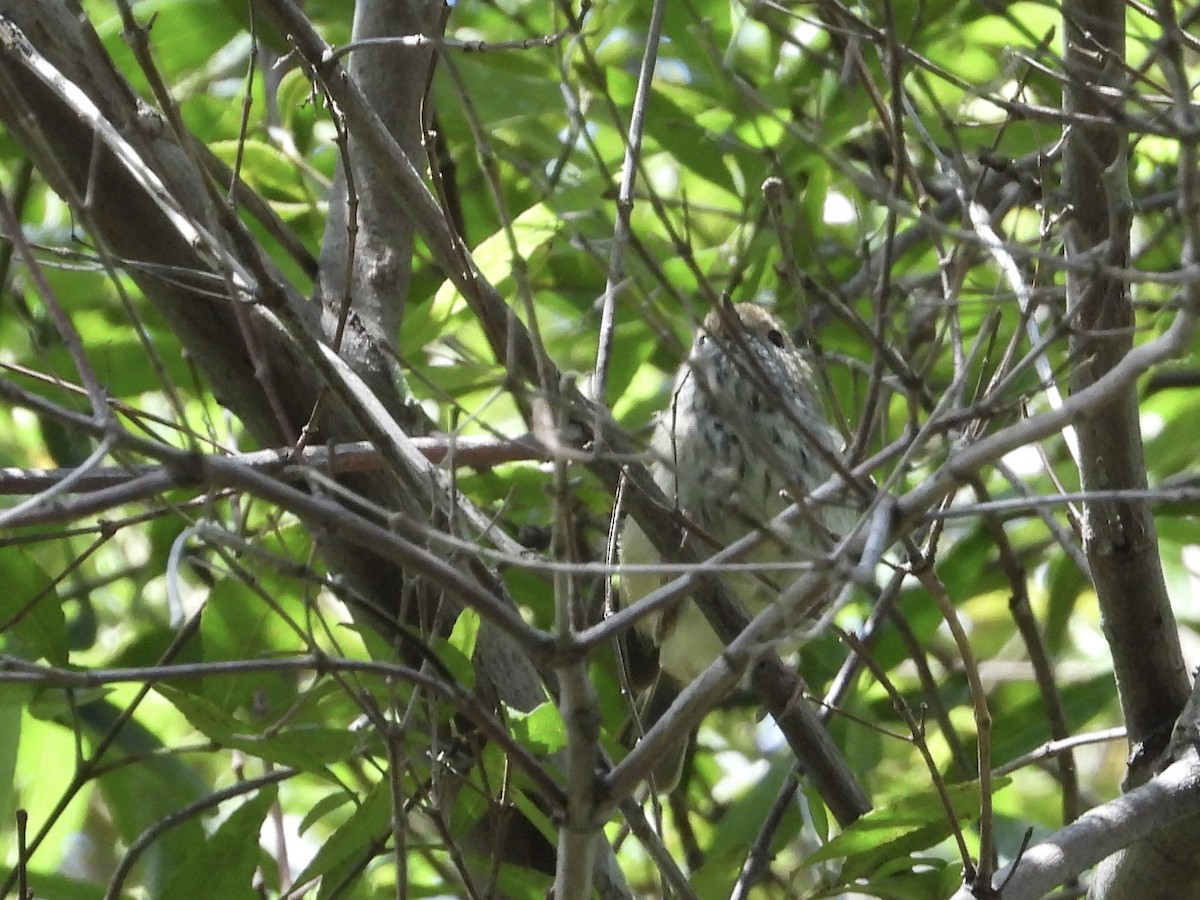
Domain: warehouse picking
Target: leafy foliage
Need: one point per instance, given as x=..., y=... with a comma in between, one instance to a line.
x=162, y=649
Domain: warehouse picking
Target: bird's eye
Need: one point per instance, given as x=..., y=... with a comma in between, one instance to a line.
x=775, y=337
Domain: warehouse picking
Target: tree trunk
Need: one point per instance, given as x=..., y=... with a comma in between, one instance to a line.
x=1119, y=536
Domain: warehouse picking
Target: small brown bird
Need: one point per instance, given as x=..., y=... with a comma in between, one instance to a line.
x=742, y=428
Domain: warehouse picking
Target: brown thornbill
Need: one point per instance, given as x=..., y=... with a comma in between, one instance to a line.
x=744, y=432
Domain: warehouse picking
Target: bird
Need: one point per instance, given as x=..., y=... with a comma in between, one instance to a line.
x=743, y=433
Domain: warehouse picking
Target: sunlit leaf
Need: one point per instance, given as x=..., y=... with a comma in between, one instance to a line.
x=31, y=615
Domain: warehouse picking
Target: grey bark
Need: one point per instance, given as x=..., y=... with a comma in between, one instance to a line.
x=1170, y=799
x=1119, y=537
x=373, y=262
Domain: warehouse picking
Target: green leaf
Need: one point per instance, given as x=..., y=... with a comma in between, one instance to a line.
x=322, y=808
x=532, y=810
x=461, y=670
x=307, y=747
x=455, y=651
x=720, y=872
x=1025, y=721
x=369, y=823
x=541, y=729
x=919, y=820
x=264, y=168
x=496, y=255
x=225, y=863
x=914, y=879
x=677, y=132
x=13, y=698
x=52, y=886
x=466, y=633
x=236, y=624
x=151, y=786
x=31, y=615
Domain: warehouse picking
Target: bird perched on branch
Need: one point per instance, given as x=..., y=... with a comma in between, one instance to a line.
x=744, y=433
